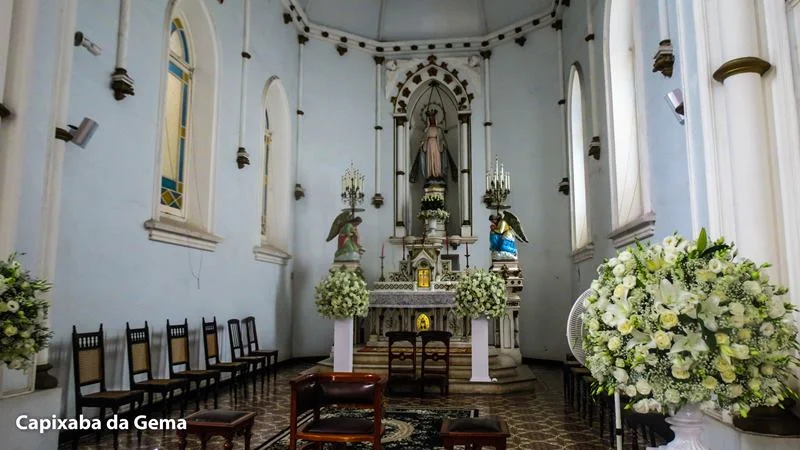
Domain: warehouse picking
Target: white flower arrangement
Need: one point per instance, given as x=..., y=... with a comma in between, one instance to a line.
x=438, y=214
x=342, y=294
x=23, y=316
x=685, y=322
x=480, y=294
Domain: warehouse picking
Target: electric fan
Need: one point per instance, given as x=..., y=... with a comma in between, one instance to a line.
x=575, y=332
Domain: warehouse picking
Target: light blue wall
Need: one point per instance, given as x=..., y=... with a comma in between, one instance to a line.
x=665, y=143
x=527, y=136
x=107, y=269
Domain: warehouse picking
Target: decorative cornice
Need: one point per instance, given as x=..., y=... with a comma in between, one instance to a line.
x=341, y=49
x=298, y=16
x=302, y=39
x=486, y=54
x=521, y=41
x=736, y=66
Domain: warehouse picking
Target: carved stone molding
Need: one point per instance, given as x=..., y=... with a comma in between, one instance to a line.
x=121, y=83
x=664, y=59
x=377, y=200
x=736, y=66
x=594, y=147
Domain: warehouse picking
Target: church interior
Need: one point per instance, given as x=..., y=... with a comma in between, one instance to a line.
x=265, y=150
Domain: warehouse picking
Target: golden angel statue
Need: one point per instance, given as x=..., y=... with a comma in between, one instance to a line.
x=346, y=227
x=504, y=230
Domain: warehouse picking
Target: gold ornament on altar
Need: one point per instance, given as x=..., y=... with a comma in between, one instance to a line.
x=423, y=322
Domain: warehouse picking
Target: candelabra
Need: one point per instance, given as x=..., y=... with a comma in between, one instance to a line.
x=498, y=186
x=352, y=188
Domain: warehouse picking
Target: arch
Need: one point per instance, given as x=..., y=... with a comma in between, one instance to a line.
x=627, y=190
x=577, y=160
x=276, y=121
x=423, y=74
x=199, y=60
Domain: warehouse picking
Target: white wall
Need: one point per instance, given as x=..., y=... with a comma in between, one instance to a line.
x=107, y=270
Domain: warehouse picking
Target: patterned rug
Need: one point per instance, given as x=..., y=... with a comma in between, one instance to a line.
x=406, y=429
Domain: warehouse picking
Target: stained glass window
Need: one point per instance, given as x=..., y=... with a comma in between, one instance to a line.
x=267, y=144
x=176, y=122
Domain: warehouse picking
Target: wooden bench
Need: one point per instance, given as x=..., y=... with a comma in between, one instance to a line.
x=474, y=433
x=218, y=422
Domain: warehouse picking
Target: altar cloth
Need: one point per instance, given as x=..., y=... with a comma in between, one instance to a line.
x=412, y=299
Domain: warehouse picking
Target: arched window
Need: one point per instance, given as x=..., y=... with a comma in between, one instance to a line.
x=628, y=194
x=276, y=182
x=580, y=218
x=265, y=186
x=184, y=188
x=176, y=122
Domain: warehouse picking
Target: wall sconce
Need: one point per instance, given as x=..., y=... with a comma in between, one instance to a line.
x=563, y=186
x=82, y=41
x=242, y=158
x=674, y=99
x=80, y=135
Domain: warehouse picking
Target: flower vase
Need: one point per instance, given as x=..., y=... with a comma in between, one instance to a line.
x=343, y=345
x=687, y=424
x=480, y=350
x=432, y=225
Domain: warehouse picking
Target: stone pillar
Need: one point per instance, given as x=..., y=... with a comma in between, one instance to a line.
x=299, y=192
x=487, y=109
x=594, y=144
x=466, y=174
x=400, y=184
x=749, y=173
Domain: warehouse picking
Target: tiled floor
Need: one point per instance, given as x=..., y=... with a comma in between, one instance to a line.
x=537, y=420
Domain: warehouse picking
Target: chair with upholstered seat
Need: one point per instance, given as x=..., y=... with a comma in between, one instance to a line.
x=312, y=392
x=88, y=357
x=256, y=363
x=439, y=373
x=139, y=362
x=178, y=351
x=237, y=370
x=253, y=348
x=405, y=374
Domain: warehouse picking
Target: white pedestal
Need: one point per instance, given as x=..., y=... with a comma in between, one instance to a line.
x=343, y=345
x=480, y=351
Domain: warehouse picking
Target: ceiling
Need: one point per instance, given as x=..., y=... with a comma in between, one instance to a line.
x=412, y=20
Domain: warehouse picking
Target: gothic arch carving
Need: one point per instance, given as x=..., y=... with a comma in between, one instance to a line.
x=432, y=69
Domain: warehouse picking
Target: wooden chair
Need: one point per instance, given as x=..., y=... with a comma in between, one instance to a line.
x=238, y=370
x=253, y=348
x=238, y=355
x=218, y=422
x=88, y=357
x=344, y=390
x=139, y=362
x=438, y=374
x=402, y=375
x=178, y=350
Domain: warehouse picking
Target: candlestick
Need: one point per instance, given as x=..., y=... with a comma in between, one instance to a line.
x=382, y=278
x=382, y=248
x=466, y=253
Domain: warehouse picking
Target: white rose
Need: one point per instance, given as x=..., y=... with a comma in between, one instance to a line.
x=767, y=329
x=13, y=306
x=619, y=270
x=620, y=375
x=670, y=258
x=735, y=390
x=751, y=287
x=620, y=292
x=775, y=310
x=662, y=339
x=629, y=281
x=736, y=309
x=670, y=241
x=715, y=265
x=630, y=391
x=613, y=262
x=625, y=256
x=642, y=406
x=625, y=327
x=643, y=387
x=614, y=343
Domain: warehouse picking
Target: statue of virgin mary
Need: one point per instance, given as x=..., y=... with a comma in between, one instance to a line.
x=433, y=158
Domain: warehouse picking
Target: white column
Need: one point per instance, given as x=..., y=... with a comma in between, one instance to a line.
x=55, y=158
x=480, y=351
x=243, y=84
x=563, y=99
x=466, y=174
x=377, y=199
x=343, y=345
x=594, y=144
x=299, y=126
x=663, y=21
x=750, y=154
x=122, y=33
x=400, y=176
x=487, y=108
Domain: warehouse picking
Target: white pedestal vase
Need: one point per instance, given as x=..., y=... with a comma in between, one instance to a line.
x=480, y=351
x=432, y=226
x=687, y=424
x=343, y=345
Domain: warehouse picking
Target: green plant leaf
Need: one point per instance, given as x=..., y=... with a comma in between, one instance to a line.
x=702, y=241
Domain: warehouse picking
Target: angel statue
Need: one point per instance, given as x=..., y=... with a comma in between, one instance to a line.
x=346, y=226
x=504, y=230
x=433, y=158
